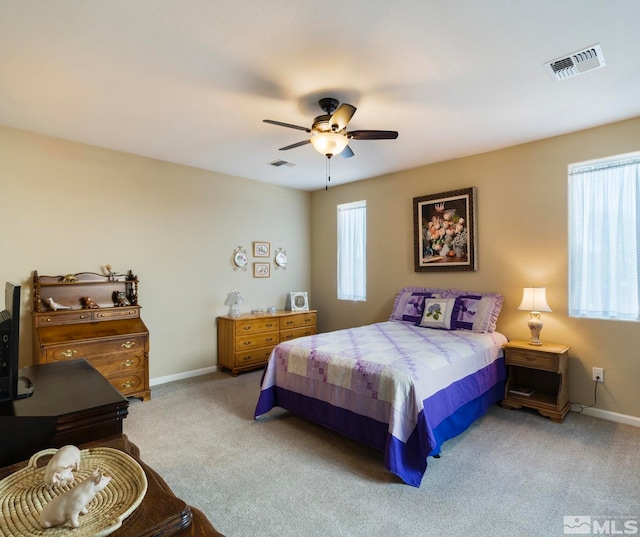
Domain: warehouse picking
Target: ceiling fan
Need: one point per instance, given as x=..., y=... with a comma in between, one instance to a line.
x=329, y=135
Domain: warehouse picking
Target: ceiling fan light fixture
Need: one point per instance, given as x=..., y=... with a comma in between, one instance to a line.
x=329, y=143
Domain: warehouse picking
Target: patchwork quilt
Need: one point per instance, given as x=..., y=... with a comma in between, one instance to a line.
x=401, y=388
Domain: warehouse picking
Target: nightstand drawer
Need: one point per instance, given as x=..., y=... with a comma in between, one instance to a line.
x=532, y=359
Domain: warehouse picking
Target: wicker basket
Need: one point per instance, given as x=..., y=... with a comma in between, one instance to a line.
x=23, y=494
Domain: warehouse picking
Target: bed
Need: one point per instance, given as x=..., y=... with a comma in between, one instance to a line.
x=403, y=386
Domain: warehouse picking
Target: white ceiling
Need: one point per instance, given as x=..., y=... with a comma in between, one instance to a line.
x=190, y=81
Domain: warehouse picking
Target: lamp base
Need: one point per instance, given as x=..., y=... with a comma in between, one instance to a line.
x=535, y=327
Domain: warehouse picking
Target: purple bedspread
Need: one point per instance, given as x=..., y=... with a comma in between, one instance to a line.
x=397, y=387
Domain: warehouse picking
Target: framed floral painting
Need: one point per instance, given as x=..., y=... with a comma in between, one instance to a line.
x=444, y=234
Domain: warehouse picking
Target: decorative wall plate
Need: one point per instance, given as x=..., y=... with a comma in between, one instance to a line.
x=240, y=258
x=281, y=259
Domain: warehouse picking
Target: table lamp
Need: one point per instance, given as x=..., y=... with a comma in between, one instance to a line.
x=534, y=300
x=233, y=301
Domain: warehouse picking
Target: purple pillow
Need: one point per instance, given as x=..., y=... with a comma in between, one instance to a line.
x=477, y=313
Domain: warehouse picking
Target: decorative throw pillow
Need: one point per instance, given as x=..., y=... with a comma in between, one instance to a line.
x=491, y=307
x=408, y=304
x=410, y=307
x=474, y=313
x=438, y=313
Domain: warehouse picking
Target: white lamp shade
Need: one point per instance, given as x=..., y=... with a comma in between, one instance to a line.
x=534, y=299
x=329, y=143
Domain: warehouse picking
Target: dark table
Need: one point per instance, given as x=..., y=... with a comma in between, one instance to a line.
x=72, y=403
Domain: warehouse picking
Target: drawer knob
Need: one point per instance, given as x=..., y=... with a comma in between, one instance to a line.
x=128, y=344
x=246, y=328
x=127, y=384
x=68, y=353
x=245, y=343
x=83, y=316
x=127, y=363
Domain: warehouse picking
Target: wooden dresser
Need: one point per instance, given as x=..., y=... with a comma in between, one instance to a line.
x=246, y=342
x=111, y=337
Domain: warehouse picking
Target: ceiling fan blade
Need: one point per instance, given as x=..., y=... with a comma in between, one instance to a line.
x=347, y=152
x=341, y=117
x=281, y=124
x=373, y=135
x=298, y=144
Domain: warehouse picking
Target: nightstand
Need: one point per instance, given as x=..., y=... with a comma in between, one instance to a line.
x=537, y=378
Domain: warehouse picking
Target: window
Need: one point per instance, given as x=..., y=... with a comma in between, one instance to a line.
x=604, y=239
x=352, y=251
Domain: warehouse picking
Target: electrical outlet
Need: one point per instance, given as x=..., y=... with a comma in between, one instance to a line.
x=598, y=374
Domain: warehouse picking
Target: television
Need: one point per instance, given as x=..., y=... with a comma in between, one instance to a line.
x=11, y=385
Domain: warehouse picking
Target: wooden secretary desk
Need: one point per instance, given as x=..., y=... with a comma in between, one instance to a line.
x=96, y=317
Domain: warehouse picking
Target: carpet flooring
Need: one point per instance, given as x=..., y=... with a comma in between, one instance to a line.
x=512, y=473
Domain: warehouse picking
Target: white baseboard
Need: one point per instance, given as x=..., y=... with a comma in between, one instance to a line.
x=179, y=376
x=612, y=416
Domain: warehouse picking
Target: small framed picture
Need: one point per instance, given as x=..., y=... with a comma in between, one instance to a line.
x=298, y=301
x=261, y=270
x=261, y=249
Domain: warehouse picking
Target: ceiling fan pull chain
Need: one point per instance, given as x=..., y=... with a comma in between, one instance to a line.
x=327, y=172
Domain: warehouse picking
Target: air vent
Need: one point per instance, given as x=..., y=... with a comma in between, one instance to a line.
x=278, y=163
x=576, y=63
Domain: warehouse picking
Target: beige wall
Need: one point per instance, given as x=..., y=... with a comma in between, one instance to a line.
x=70, y=207
x=67, y=207
x=522, y=241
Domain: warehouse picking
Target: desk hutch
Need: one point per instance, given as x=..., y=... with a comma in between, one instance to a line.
x=100, y=322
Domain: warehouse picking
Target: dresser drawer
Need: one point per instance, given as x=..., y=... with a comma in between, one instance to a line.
x=119, y=365
x=532, y=359
x=116, y=313
x=255, y=341
x=286, y=335
x=295, y=321
x=71, y=351
x=67, y=317
x=129, y=384
x=257, y=356
x=251, y=326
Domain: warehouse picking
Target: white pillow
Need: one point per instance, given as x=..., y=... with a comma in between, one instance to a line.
x=438, y=313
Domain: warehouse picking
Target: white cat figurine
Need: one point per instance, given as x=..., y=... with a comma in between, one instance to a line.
x=60, y=468
x=68, y=506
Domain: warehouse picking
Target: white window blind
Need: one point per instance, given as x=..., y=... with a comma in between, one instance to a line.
x=604, y=239
x=352, y=251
